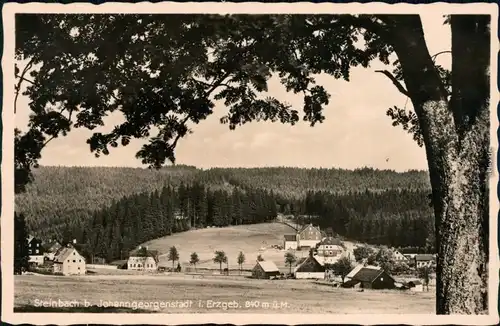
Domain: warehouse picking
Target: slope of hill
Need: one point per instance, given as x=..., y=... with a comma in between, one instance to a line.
x=59, y=194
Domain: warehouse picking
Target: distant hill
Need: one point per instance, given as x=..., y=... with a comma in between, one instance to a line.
x=78, y=191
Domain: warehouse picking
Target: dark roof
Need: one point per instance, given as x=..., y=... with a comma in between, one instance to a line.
x=424, y=257
x=306, y=226
x=331, y=241
x=417, y=282
x=301, y=260
x=119, y=262
x=290, y=237
x=144, y=253
x=367, y=274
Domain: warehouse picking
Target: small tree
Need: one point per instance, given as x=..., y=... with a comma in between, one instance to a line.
x=179, y=268
x=362, y=253
x=260, y=258
x=220, y=257
x=241, y=259
x=342, y=267
x=385, y=259
x=194, y=260
x=289, y=260
x=424, y=273
x=401, y=268
x=173, y=255
x=21, y=254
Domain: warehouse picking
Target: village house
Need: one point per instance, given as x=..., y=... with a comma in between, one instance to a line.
x=371, y=278
x=330, y=247
x=265, y=270
x=309, y=267
x=415, y=286
x=50, y=249
x=309, y=236
x=35, y=251
x=357, y=268
x=68, y=261
x=143, y=259
x=399, y=257
x=290, y=241
x=424, y=260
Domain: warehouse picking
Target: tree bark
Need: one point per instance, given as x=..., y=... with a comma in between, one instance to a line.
x=456, y=138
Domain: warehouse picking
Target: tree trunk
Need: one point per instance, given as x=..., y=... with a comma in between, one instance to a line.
x=456, y=138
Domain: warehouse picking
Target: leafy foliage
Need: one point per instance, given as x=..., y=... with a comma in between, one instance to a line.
x=241, y=259
x=21, y=254
x=220, y=257
x=194, y=259
x=173, y=255
x=362, y=253
x=342, y=267
x=290, y=259
x=164, y=72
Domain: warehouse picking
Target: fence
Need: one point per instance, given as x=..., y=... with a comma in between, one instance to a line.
x=100, y=266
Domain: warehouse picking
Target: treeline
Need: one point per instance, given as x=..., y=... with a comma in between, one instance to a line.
x=62, y=195
x=397, y=218
x=133, y=220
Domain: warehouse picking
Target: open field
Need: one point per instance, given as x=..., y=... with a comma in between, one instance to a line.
x=292, y=296
x=249, y=239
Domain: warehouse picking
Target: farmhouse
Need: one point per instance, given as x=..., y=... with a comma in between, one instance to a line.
x=357, y=268
x=290, y=241
x=143, y=259
x=415, y=286
x=265, y=270
x=398, y=256
x=330, y=247
x=308, y=236
x=370, y=278
x=310, y=267
x=426, y=260
x=68, y=261
x=35, y=251
x=51, y=248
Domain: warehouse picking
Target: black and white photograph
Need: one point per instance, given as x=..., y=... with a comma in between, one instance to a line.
x=250, y=163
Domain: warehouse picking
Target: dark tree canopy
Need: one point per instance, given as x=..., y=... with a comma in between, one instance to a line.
x=164, y=72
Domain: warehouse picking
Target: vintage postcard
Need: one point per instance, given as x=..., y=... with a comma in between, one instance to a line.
x=243, y=163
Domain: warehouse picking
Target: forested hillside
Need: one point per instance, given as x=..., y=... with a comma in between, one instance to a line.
x=365, y=204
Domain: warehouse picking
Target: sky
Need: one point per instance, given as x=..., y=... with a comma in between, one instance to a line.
x=356, y=132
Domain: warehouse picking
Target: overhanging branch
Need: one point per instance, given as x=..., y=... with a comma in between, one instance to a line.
x=396, y=83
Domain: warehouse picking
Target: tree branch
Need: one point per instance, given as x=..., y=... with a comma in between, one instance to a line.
x=396, y=83
x=21, y=78
x=439, y=53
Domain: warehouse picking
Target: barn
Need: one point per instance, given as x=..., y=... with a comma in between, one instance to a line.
x=265, y=270
x=310, y=268
x=370, y=278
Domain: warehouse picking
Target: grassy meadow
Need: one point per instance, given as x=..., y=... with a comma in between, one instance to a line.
x=192, y=295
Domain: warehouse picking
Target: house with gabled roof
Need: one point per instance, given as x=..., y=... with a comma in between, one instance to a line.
x=290, y=241
x=371, y=278
x=68, y=261
x=265, y=270
x=51, y=248
x=424, y=260
x=35, y=251
x=309, y=267
x=309, y=236
x=330, y=247
x=143, y=259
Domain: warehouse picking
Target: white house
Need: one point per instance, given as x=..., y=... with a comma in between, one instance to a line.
x=309, y=236
x=398, y=256
x=416, y=286
x=424, y=260
x=68, y=261
x=290, y=241
x=330, y=247
x=143, y=260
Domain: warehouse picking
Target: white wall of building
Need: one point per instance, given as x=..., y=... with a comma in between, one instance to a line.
x=305, y=275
